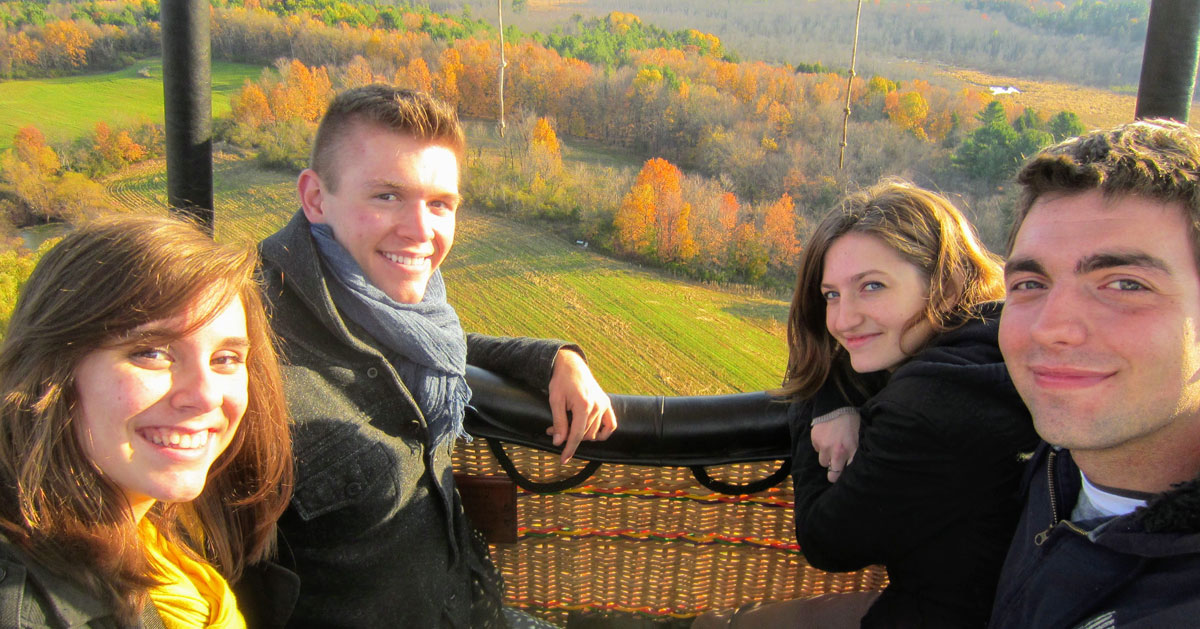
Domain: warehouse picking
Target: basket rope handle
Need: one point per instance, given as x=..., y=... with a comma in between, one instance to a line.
x=538, y=487
x=778, y=476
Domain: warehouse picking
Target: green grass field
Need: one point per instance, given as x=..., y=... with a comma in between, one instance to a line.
x=644, y=332
x=68, y=107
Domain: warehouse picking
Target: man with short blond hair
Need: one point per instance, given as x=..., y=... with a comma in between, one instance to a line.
x=375, y=363
x=1101, y=334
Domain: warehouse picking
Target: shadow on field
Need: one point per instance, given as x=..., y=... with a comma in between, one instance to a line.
x=759, y=310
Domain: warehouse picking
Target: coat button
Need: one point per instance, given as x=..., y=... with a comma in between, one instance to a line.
x=372, y=372
x=353, y=489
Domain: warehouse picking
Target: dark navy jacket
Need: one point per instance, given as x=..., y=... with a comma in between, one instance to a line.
x=1137, y=570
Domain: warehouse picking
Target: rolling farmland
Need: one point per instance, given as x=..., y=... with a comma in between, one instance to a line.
x=644, y=332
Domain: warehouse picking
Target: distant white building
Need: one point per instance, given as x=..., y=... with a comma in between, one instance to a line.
x=998, y=90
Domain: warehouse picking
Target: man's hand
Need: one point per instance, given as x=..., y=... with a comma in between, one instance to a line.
x=836, y=441
x=574, y=390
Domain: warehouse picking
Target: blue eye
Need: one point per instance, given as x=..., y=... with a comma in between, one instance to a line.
x=830, y=295
x=873, y=286
x=1026, y=285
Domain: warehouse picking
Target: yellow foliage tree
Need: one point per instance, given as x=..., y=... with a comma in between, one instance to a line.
x=66, y=45
x=635, y=221
x=250, y=107
x=907, y=110
x=544, y=137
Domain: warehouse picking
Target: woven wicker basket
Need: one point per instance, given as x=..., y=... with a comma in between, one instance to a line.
x=651, y=541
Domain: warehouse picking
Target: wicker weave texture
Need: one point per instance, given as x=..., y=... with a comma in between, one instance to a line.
x=652, y=541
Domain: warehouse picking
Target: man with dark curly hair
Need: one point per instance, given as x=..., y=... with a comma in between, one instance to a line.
x=1101, y=333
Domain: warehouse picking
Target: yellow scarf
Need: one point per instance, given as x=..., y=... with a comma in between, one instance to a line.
x=195, y=594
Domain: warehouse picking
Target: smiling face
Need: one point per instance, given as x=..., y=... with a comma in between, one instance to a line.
x=154, y=411
x=393, y=208
x=872, y=295
x=1100, y=329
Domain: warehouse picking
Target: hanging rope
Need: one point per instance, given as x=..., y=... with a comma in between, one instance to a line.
x=503, y=63
x=849, y=84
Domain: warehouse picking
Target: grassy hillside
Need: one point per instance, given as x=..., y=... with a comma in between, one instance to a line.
x=644, y=332
x=65, y=108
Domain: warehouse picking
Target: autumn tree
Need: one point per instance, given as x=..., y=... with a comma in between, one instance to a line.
x=446, y=80
x=654, y=220
x=415, y=76
x=302, y=94
x=30, y=170
x=779, y=232
x=717, y=235
x=250, y=105
x=66, y=45
x=358, y=73
x=635, y=221
x=279, y=116
x=112, y=151
x=907, y=110
x=750, y=257
x=545, y=153
x=675, y=242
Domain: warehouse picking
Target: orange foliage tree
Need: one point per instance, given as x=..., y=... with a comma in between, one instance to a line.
x=654, y=220
x=114, y=151
x=779, y=232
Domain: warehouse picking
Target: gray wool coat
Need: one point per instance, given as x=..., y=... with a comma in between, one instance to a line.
x=376, y=529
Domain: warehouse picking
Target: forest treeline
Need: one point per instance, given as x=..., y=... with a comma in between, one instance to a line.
x=738, y=157
x=1086, y=42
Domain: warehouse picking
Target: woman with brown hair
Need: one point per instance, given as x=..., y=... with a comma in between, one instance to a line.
x=144, y=448
x=906, y=427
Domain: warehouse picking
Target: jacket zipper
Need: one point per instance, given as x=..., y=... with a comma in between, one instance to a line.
x=1041, y=538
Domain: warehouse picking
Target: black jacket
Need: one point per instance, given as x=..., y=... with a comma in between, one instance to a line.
x=375, y=529
x=1136, y=570
x=933, y=491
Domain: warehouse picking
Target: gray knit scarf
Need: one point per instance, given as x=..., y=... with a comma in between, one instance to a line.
x=423, y=341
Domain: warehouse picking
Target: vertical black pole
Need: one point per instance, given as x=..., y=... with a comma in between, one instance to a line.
x=187, y=90
x=1169, y=62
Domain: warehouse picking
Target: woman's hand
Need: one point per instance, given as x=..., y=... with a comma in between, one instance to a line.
x=836, y=441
